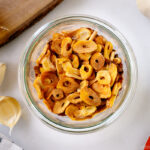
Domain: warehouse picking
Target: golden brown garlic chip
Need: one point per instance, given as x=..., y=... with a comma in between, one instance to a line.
x=84, y=47
x=75, y=61
x=86, y=71
x=103, y=90
x=38, y=87
x=57, y=36
x=93, y=35
x=84, y=56
x=59, y=67
x=47, y=91
x=82, y=34
x=49, y=104
x=103, y=77
x=60, y=106
x=67, y=67
x=97, y=61
x=92, y=77
x=59, y=62
x=83, y=83
x=68, y=85
x=56, y=46
x=100, y=40
x=46, y=47
x=85, y=111
x=73, y=76
x=108, y=49
x=49, y=79
x=66, y=49
x=99, y=48
x=80, y=113
x=57, y=94
x=115, y=92
x=53, y=59
x=117, y=60
x=47, y=65
x=112, y=55
x=85, y=63
x=74, y=98
x=90, y=97
x=70, y=111
x=112, y=68
x=70, y=71
x=79, y=34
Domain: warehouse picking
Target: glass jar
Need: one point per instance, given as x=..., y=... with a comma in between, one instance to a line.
x=33, y=50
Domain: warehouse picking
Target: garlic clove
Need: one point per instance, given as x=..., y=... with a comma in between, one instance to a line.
x=10, y=111
x=144, y=7
x=2, y=72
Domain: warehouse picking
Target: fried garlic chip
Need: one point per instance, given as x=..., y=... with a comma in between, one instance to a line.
x=56, y=46
x=79, y=34
x=67, y=84
x=74, y=98
x=93, y=35
x=49, y=104
x=67, y=67
x=57, y=36
x=59, y=62
x=112, y=68
x=83, y=83
x=57, y=94
x=112, y=55
x=60, y=106
x=47, y=65
x=66, y=49
x=117, y=60
x=103, y=77
x=70, y=110
x=86, y=71
x=103, y=90
x=99, y=48
x=73, y=76
x=114, y=94
x=108, y=49
x=38, y=87
x=85, y=111
x=84, y=46
x=97, y=61
x=49, y=79
x=79, y=113
x=82, y=34
x=90, y=97
x=84, y=56
x=46, y=47
x=75, y=61
x=100, y=40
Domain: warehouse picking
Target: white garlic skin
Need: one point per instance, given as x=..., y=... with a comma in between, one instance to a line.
x=2, y=72
x=144, y=7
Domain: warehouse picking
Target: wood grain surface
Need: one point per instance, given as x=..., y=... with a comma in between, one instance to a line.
x=16, y=15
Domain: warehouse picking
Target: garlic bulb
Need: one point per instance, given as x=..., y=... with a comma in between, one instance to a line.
x=2, y=72
x=144, y=7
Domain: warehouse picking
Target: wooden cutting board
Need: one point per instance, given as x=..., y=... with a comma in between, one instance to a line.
x=16, y=15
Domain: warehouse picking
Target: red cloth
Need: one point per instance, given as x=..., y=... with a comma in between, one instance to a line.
x=147, y=145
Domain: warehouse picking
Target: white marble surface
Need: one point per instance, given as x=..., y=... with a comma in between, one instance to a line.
x=131, y=130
